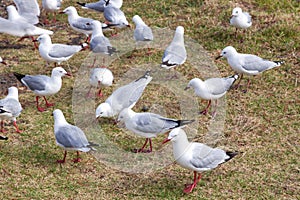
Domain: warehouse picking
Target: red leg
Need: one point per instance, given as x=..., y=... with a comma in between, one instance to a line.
x=103, y=63
x=17, y=128
x=47, y=103
x=190, y=187
x=64, y=159
x=88, y=95
x=248, y=84
x=204, y=112
x=141, y=150
x=76, y=160
x=2, y=127
x=37, y=104
x=100, y=93
x=88, y=39
x=34, y=42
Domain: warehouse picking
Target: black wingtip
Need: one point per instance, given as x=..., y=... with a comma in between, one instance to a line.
x=3, y=137
x=146, y=75
x=111, y=50
x=278, y=63
x=81, y=4
x=19, y=76
x=185, y=122
x=231, y=155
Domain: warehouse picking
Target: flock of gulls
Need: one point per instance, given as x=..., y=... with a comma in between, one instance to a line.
x=22, y=21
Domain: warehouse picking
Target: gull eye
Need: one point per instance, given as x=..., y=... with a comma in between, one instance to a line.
x=236, y=12
x=224, y=52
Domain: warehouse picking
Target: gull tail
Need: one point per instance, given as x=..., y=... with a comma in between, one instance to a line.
x=19, y=76
x=145, y=76
x=81, y=4
x=91, y=145
x=184, y=122
x=278, y=63
x=3, y=137
x=111, y=50
x=231, y=155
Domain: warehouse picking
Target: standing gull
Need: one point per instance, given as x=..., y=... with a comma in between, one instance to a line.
x=10, y=108
x=247, y=63
x=142, y=32
x=123, y=97
x=148, y=125
x=100, y=77
x=100, y=5
x=69, y=137
x=80, y=24
x=29, y=9
x=175, y=54
x=42, y=85
x=212, y=88
x=51, y=6
x=195, y=156
x=115, y=17
x=99, y=43
x=57, y=52
x=240, y=19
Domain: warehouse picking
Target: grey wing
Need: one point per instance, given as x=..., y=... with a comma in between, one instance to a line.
x=219, y=85
x=113, y=14
x=255, y=63
x=206, y=158
x=13, y=28
x=83, y=23
x=12, y=106
x=175, y=54
x=100, y=44
x=248, y=17
x=98, y=6
x=37, y=82
x=71, y=136
x=62, y=50
x=29, y=9
x=153, y=123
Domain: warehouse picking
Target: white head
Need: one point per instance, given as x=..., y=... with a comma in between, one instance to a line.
x=236, y=11
x=59, y=117
x=104, y=110
x=13, y=92
x=180, y=30
x=71, y=10
x=44, y=39
x=137, y=20
x=228, y=51
x=177, y=134
x=192, y=83
x=12, y=12
x=59, y=72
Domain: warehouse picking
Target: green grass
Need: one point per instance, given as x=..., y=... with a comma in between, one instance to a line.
x=262, y=123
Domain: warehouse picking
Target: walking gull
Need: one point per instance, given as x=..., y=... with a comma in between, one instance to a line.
x=175, y=54
x=212, y=88
x=142, y=32
x=247, y=63
x=148, y=125
x=69, y=137
x=240, y=19
x=42, y=85
x=123, y=97
x=195, y=156
x=100, y=5
x=57, y=52
x=10, y=108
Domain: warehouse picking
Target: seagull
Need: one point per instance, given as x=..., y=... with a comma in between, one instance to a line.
x=10, y=108
x=28, y=9
x=100, y=5
x=142, y=32
x=240, y=19
x=14, y=16
x=70, y=137
x=195, y=156
x=247, y=63
x=21, y=29
x=2, y=61
x=123, y=97
x=212, y=88
x=80, y=24
x=51, y=6
x=148, y=125
x=57, y=53
x=100, y=77
x=175, y=53
x=99, y=43
x=42, y=85
x=115, y=17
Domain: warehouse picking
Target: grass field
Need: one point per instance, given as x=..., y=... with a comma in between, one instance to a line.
x=262, y=123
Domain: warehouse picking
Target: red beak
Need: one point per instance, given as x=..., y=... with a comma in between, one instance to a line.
x=166, y=140
x=4, y=63
x=68, y=74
